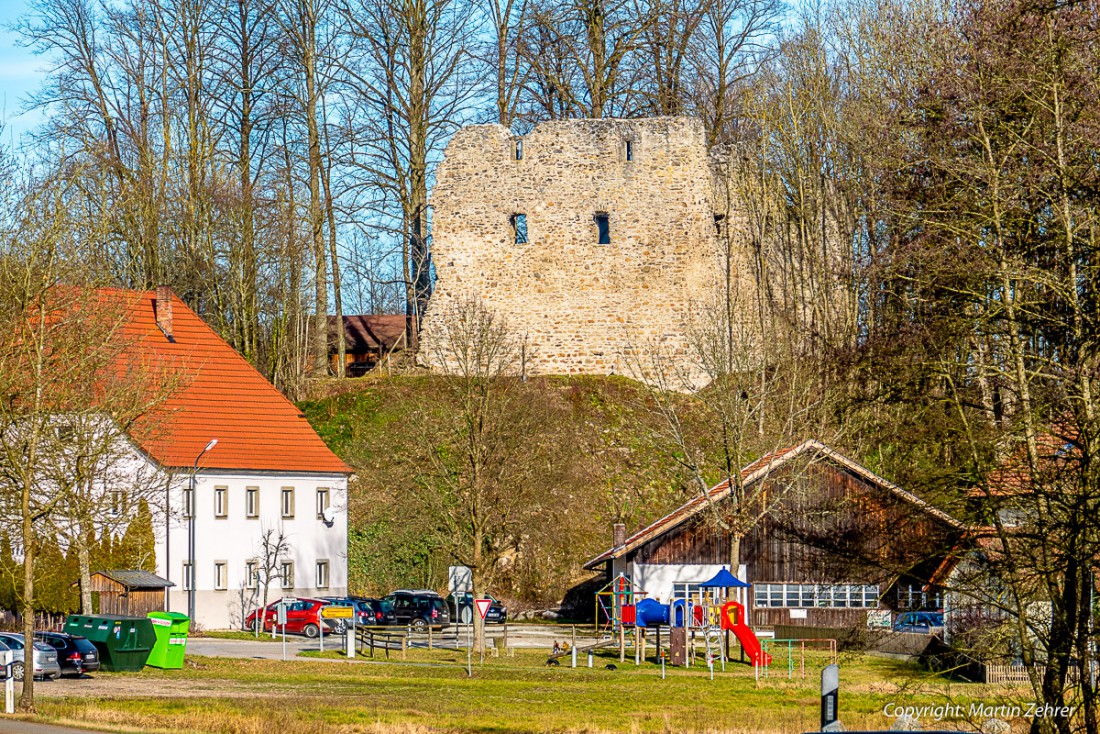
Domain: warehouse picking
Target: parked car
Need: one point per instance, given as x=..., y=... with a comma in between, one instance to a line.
x=44, y=659
x=497, y=614
x=75, y=654
x=303, y=617
x=925, y=623
x=419, y=609
x=368, y=611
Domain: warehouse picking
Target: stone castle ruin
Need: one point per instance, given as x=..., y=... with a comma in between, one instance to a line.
x=594, y=240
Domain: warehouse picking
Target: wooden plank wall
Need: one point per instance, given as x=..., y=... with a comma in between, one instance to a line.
x=823, y=524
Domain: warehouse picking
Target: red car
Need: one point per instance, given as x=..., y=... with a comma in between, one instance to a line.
x=303, y=617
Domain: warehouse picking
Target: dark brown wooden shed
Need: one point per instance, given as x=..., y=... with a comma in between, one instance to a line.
x=830, y=542
x=128, y=592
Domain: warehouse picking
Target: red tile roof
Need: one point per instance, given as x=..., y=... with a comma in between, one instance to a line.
x=220, y=396
x=754, y=472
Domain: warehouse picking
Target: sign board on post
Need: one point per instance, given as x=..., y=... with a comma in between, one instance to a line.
x=280, y=613
x=338, y=612
x=483, y=606
x=830, y=689
x=460, y=579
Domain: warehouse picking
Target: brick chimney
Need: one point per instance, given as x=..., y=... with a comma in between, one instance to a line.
x=163, y=310
x=619, y=534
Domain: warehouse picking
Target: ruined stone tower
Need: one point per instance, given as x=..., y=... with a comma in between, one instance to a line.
x=593, y=239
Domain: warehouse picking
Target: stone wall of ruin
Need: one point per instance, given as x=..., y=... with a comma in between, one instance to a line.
x=582, y=307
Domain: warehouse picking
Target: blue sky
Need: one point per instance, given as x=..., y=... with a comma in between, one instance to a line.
x=19, y=73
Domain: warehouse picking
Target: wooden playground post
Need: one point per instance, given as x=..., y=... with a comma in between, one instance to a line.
x=622, y=642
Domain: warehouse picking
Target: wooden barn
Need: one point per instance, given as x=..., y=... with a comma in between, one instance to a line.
x=129, y=593
x=368, y=339
x=823, y=541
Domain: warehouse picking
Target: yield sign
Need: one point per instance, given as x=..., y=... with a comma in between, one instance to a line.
x=483, y=606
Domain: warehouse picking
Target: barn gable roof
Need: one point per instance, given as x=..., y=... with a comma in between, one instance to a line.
x=752, y=473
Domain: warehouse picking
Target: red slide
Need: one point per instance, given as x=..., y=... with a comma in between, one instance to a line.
x=733, y=619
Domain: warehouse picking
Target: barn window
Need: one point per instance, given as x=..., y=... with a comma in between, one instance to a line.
x=832, y=596
x=686, y=591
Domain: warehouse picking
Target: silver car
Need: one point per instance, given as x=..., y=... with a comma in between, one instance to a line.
x=45, y=657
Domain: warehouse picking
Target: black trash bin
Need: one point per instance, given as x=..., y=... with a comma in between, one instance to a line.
x=124, y=643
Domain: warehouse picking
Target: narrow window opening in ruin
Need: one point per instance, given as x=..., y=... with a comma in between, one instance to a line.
x=603, y=227
x=719, y=219
x=519, y=150
x=519, y=228
x=629, y=151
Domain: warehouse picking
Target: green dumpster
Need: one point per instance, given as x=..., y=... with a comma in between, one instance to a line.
x=171, y=631
x=123, y=642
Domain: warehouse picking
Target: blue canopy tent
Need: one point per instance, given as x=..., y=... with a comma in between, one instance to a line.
x=724, y=580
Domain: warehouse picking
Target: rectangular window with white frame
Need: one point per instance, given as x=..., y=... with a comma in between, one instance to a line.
x=188, y=582
x=221, y=575
x=806, y=596
x=286, y=574
x=322, y=575
x=322, y=502
x=287, y=502
x=252, y=502
x=251, y=575
x=188, y=502
x=221, y=501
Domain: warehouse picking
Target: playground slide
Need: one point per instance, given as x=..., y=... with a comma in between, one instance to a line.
x=733, y=616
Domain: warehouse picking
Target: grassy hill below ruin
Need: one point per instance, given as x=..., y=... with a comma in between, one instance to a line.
x=606, y=462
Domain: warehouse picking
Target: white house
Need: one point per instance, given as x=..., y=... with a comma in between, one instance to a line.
x=256, y=466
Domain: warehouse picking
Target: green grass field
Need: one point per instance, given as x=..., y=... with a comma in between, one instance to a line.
x=430, y=691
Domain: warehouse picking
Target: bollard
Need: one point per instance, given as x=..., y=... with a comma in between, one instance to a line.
x=573, y=653
x=590, y=661
x=9, y=683
x=662, y=667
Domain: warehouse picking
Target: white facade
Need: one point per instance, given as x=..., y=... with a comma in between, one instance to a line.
x=229, y=527
x=659, y=580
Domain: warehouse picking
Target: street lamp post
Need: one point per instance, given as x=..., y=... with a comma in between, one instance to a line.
x=191, y=532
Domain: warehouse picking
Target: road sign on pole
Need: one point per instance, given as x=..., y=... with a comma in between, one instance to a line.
x=483, y=606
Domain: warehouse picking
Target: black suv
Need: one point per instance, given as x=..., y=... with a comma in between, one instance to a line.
x=75, y=654
x=419, y=609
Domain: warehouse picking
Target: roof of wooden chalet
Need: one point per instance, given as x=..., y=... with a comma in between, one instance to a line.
x=370, y=332
x=754, y=472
